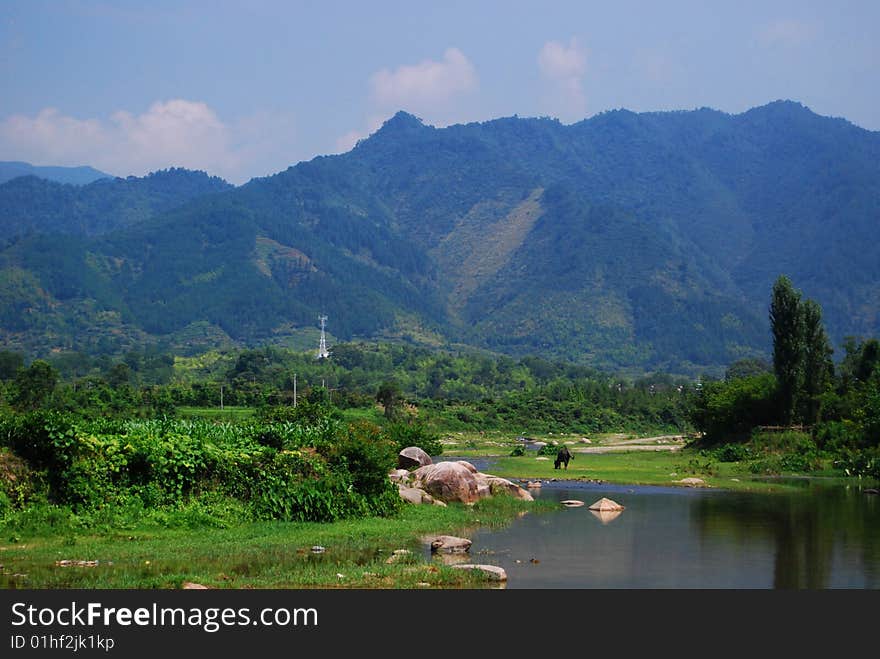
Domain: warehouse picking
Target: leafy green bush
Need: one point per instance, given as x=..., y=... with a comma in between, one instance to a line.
x=18, y=483
x=701, y=465
x=732, y=453
x=305, y=412
x=365, y=452
x=727, y=411
x=784, y=451
x=863, y=464
x=835, y=436
x=5, y=505
x=518, y=451
x=414, y=433
x=323, y=472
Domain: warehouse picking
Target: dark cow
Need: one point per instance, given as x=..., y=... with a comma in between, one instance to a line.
x=562, y=457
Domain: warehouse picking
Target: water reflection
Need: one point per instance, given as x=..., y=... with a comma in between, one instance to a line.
x=817, y=537
x=686, y=538
x=606, y=516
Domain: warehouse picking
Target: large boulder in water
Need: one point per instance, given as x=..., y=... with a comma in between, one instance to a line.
x=412, y=457
x=606, y=505
x=448, y=481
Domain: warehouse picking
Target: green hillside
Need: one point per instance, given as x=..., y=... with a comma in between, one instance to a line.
x=626, y=241
x=31, y=204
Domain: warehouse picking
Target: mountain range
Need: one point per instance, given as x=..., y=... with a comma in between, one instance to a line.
x=11, y=169
x=629, y=241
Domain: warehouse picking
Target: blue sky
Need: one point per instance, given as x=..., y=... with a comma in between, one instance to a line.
x=243, y=89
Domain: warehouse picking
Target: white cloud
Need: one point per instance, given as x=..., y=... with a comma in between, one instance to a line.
x=178, y=132
x=173, y=133
x=562, y=63
x=422, y=87
x=786, y=32
x=432, y=89
x=565, y=67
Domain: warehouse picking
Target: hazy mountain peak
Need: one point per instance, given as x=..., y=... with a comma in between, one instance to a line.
x=75, y=175
x=403, y=122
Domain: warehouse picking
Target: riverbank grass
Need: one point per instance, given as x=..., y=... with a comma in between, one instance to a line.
x=50, y=547
x=625, y=459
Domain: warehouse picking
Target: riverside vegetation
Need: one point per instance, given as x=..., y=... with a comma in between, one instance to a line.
x=125, y=463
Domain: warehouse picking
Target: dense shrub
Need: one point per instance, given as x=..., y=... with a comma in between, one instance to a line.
x=864, y=464
x=727, y=411
x=732, y=453
x=318, y=473
x=414, y=433
x=366, y=453
x=784, y=451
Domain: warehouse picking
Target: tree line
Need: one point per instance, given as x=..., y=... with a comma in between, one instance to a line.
x=837, y=406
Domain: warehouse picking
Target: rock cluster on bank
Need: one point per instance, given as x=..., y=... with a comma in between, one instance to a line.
x=448, y=481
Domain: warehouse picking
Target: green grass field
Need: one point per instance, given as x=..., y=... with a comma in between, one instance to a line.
x=146, y=554
x=215, y=413
x=628, y=467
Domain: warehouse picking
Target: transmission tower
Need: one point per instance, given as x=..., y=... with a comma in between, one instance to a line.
x=323, y=353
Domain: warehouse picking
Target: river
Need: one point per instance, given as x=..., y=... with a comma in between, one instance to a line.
x=819, y=537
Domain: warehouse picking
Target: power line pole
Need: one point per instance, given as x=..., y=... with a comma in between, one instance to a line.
x=294, y=389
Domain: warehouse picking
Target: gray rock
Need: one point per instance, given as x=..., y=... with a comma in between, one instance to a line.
x=450, y=544
x=497, y=484
x=412, y=457
x=692, y=481
x=411, y=494
x=494, y=572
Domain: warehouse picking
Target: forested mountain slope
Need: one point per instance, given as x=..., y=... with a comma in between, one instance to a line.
x=627, y=240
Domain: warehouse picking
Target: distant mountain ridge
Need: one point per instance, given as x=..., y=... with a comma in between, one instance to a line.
x=82, y=175
x=626, y=241
x=30, y=204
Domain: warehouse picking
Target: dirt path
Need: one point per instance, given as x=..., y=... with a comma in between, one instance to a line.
x=659, y=443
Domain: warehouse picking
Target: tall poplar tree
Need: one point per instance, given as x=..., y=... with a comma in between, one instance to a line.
x=818, y=369
x=786, y=324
